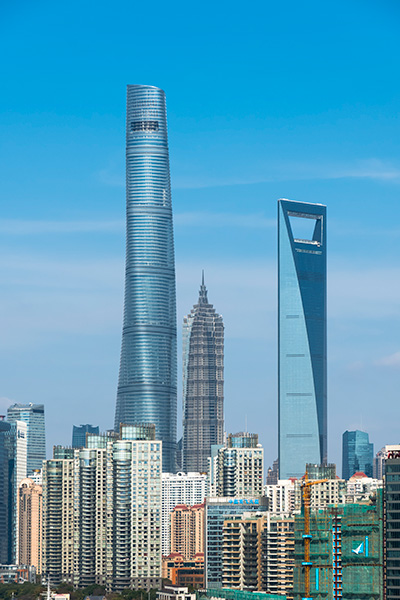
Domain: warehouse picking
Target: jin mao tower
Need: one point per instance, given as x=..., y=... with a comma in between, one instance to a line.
x=302, y=337
x=203, y=383
x=147, y=377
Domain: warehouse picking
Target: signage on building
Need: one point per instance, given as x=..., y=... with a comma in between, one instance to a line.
x=393, y=454
x=244, y=501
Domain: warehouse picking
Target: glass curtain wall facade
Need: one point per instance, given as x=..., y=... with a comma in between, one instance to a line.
x=217, y=510
x=357, y=454
x=147, y=387
x=392, y=527
x=302, y=337
x=33, y=416
x=203, y=383
x=79, y=434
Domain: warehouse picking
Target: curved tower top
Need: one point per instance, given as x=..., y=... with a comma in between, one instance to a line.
x=302, y=337
x=147, y=377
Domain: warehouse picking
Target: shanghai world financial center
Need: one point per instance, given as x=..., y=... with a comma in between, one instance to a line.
x=302, y=337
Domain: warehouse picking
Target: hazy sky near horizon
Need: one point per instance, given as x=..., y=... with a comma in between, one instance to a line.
x=296, y=100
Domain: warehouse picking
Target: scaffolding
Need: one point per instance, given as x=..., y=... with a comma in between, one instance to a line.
x=345, y=552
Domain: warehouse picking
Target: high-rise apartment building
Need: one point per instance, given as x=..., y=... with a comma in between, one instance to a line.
x=392, y=525
x=13, y=452
x=258, y=553
x=30, y=513
x=147, y=390
x=58, y=517
x=187, y=530
x=79, y=434
x=179, y=488
x=380, y=459
x=102, y=511
x=242, y=552
x=33, y=416
x=7, y=499
x=238, y=467
x=357, y=454
x=217, y=510
x=278, y=555
x=302, y=377
x=282, y=496
x=203, y=383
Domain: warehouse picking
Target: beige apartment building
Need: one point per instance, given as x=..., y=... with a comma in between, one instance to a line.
x=30, y=518
x=187, y=530
x=258, y=553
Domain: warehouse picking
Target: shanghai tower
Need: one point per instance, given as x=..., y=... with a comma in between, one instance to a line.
x=147, y=377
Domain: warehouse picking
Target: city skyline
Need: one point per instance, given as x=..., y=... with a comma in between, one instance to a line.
x=322, y=127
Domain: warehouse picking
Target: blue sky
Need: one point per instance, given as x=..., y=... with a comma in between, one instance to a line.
x=296, y=100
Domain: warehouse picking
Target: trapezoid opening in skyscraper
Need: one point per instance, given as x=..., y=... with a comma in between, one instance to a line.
x=302, y=370
x=147, y=387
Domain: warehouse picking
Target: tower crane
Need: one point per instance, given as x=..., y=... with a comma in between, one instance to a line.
x=307, y=537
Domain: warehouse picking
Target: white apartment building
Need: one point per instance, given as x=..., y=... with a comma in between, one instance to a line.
x=282, y=496
x=237, y=469
x=179, y=488
x=102, y=511
x=379, y=460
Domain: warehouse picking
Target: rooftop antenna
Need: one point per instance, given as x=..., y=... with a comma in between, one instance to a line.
x=245, y=423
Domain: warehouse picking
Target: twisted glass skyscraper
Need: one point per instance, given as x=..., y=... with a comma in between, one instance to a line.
x=147, y=377
x=302, y=337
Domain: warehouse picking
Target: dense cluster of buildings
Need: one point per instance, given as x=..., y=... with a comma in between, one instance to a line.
x=133, y=506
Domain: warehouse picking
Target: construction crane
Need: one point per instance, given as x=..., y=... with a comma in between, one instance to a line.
x=307, y=537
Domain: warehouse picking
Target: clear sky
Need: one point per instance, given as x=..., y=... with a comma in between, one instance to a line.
x=265, y=100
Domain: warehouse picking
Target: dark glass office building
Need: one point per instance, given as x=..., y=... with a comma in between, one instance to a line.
x=302, y=336
x=79, y=434
x=147, y=377
x=392, y=527
x=203, y=383
x=357, y=454
x=6, y=491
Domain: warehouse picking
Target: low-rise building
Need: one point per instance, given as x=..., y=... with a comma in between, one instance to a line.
x=171, y=592
x=360, y=488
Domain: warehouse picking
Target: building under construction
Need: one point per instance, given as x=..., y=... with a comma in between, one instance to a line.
x=345, y=559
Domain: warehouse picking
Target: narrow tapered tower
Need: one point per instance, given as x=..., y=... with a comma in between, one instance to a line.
x=147, y=378
x=302, y=377
x=203, y=383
